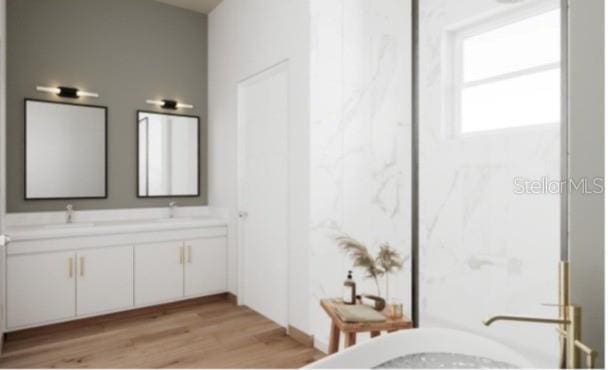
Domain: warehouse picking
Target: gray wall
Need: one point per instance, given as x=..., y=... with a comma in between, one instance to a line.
x=127, y=51
x=587, y=161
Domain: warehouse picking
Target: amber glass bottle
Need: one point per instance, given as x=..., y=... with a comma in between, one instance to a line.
x=350, y=290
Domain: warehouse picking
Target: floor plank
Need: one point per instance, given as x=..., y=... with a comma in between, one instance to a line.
x=197, y=334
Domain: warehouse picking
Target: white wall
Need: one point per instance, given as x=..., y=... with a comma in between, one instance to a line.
x=360, y=148
x=587, y=161
x=359, y=55
x=246, y=37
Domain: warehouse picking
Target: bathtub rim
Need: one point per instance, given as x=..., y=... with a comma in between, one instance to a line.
x=435, y=340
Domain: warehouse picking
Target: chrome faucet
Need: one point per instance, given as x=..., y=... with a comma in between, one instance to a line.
x=172, y=209
x=569, y=322
x=69, y=214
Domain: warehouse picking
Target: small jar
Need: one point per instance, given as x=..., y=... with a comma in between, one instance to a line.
x=396, y=310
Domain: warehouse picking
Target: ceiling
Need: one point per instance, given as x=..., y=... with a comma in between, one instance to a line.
x=201, y=6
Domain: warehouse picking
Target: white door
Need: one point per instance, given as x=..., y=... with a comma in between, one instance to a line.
x=159, y=272
x=263, y=189
x=205, y=271
x=105, y=280
x=42, y=288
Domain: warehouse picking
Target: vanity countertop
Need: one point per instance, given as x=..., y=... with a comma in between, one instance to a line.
x=52, y=231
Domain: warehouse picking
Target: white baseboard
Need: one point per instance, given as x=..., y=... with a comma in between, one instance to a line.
x=321, y=346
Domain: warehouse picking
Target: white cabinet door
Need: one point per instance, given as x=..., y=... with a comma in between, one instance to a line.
x=41, y=288
x=159, y=272
x=205, y=271
x=105, y=280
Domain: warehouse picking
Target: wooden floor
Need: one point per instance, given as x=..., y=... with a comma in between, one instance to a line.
x=216, y=334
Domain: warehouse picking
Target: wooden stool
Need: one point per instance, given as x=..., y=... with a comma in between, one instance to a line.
x=350, y=330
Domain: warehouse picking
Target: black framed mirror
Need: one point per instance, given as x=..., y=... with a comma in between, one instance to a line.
x=66, y=152
x=168, y=155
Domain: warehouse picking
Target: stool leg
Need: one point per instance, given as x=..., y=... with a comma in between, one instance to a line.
x=375, y=334
x=334, y=339
x=350, y=339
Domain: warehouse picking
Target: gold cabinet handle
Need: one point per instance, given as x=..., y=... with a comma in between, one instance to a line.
x=189, y=254
x=181, y=255
x=81, y=266
x=71, y=267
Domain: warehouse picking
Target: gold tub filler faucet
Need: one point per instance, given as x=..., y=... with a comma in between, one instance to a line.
x=569, y=322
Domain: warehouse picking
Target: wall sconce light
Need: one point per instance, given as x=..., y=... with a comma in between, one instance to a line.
x=170, y=104
x=67, y=92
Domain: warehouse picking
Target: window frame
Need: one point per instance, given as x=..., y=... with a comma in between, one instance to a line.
x=453, y=63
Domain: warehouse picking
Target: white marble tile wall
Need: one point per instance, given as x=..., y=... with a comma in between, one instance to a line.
x=484, y=250
x=360, y=141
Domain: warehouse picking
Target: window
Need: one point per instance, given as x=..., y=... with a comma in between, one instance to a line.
x=506, y=72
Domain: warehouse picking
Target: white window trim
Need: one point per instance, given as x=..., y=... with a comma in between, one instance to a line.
x=452, y=62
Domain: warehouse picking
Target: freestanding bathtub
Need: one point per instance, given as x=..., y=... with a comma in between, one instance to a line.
x=414, y=342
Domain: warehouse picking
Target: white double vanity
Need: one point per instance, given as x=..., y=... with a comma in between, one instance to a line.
x=63, y=266
x=58, y=272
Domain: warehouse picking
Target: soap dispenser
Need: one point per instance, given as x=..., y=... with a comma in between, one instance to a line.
x=350, y=290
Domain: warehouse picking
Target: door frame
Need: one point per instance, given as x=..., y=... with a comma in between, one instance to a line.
x=3, y=181
x=281, y=66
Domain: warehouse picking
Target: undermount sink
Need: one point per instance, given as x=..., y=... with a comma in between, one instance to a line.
x=84, y=225
x=173, y=220
x=68, y=226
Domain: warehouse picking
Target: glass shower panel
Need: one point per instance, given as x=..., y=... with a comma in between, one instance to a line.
x=489, y=159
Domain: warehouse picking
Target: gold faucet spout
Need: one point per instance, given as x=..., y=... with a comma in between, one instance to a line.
x=569, y=328
x=539, y=320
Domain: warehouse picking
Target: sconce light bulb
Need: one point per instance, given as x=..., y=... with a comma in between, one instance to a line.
x=52, y=90
x=87, y=94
